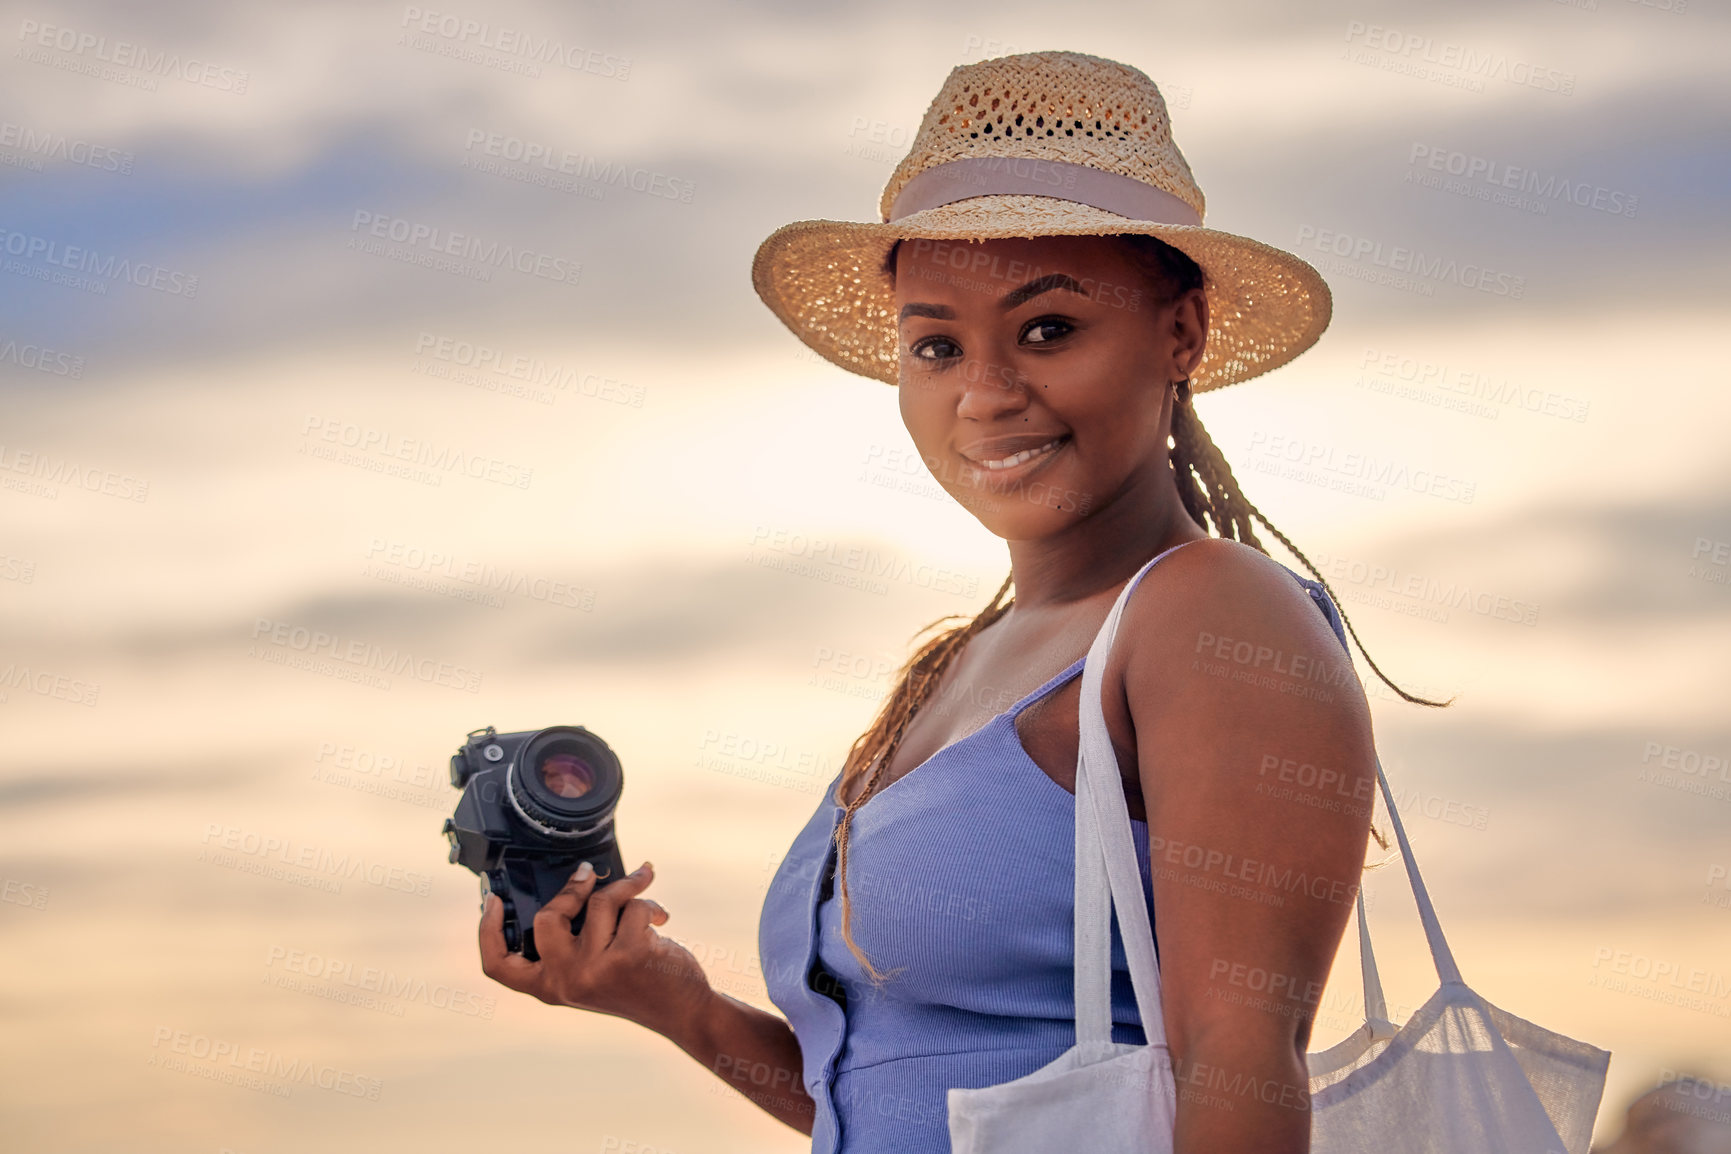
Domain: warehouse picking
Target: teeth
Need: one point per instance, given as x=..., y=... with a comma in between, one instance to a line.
x=1025, y=455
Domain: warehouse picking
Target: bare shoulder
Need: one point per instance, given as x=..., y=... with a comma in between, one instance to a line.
x=1219, y=638
x=1224, y=601
x=1254, y=752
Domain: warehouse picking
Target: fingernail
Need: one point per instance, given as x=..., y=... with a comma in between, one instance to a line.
x=585, y=872
x=646, y=867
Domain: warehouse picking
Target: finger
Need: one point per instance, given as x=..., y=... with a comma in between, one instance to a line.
x=497, y=962
x=602, y=922
x=553, y=937
x=634, y=921
x=576, y=891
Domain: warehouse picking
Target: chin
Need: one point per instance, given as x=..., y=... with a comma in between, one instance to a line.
x=1015, y=517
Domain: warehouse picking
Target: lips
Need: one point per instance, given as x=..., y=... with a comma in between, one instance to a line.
x=999, y=453
x=1027, y=455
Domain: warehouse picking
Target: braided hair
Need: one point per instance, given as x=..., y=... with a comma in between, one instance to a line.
x=1209, y=493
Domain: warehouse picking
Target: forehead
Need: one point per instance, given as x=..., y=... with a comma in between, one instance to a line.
x=932, y=269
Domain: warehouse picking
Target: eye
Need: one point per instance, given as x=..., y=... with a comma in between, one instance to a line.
x=936, y=349
x=1045, y=330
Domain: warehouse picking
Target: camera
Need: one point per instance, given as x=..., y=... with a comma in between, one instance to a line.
x=535, y=804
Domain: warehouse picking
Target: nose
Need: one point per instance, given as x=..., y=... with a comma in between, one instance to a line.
x=990, y=389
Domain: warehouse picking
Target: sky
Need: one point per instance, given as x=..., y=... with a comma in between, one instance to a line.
x=649, y=520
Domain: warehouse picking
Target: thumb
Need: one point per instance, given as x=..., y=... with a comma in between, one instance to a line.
x=577, y=889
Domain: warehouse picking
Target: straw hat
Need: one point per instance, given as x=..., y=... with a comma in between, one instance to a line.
x=1040, y=144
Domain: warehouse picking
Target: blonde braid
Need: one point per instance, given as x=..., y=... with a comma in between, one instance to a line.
x=1202, y=468
x=916, y=682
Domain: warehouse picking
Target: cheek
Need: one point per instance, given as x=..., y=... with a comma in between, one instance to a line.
x=920, y=407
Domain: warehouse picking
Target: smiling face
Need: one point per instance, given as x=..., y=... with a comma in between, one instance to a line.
x=1035, y=376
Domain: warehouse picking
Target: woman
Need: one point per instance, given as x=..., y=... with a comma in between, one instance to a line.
x=1044, y=297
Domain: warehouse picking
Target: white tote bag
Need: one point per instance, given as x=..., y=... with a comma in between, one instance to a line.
x=1461, y=1077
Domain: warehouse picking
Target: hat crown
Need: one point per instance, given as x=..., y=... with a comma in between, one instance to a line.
x=1054, y=106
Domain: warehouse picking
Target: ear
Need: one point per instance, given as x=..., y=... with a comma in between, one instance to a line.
x=1189, y=331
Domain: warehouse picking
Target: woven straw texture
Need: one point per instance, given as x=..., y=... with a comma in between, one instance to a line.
x=825, y=280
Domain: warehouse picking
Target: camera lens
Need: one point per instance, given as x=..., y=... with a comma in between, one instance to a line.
x=566, y=774
x=565, y=783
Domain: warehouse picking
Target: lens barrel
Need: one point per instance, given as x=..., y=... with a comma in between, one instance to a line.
x=565, y=782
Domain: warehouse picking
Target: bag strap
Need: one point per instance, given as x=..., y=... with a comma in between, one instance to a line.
x=1444, y=959
x=1446, y=971
x=1107, y=873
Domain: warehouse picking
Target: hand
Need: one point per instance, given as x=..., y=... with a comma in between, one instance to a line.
x=616, y=965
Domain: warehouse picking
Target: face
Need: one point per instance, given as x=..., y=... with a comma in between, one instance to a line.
x=1036, y=374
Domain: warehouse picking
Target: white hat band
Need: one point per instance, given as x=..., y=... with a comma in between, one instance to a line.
x=1026, y=176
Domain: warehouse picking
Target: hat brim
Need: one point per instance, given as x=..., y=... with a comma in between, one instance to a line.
x=825, y=280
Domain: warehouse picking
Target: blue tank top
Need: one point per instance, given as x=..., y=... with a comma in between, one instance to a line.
x=961, y=874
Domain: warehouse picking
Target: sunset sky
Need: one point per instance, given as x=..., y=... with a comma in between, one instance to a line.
x=214, y=369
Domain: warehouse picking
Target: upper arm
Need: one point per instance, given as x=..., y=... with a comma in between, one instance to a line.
x=1254, y=750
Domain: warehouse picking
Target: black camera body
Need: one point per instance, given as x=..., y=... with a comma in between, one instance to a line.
x=535, y=804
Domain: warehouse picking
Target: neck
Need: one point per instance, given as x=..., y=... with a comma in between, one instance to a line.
x=1095, y=555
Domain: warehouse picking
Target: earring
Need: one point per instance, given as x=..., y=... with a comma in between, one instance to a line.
x=1181, y=390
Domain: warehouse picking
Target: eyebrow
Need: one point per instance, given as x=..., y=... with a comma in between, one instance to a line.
x=1010, y=300
x=1040, y=285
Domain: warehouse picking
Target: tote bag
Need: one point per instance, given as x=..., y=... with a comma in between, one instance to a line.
x=1460, y=1077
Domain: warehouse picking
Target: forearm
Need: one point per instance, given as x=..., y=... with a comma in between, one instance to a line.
x=751, y=1050
x=1243, y=1096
